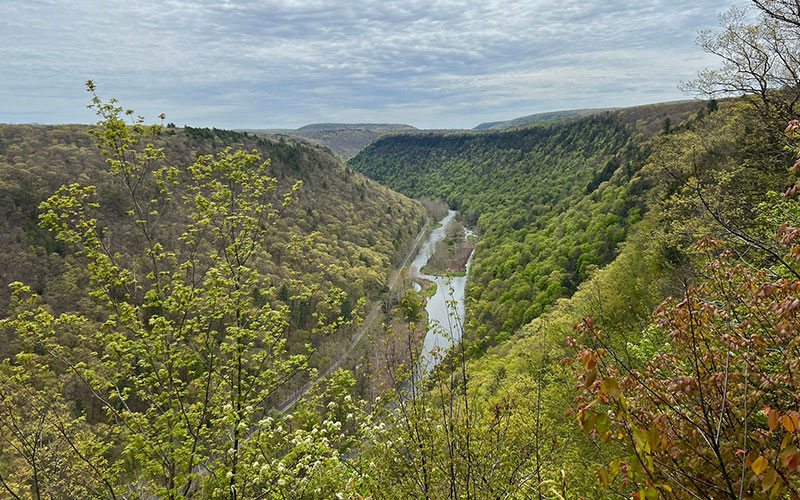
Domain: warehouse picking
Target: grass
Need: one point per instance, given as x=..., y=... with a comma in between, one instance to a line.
x=428, y=269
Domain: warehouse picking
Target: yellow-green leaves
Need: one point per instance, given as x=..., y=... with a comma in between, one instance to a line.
x=790, y=422
x=759, y=464
x=611, y=387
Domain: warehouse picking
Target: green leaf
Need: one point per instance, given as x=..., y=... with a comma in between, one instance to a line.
x=640, y=439
x=588, y=421
x=611, y=387
x=602, y=422
x=602, y=474
x=769, y=479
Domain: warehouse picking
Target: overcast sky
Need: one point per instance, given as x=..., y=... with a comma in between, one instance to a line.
x=286, y=63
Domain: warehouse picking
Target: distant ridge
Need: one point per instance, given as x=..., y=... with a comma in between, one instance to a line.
x=540, y=117
x=328, y=127
x=344, y=139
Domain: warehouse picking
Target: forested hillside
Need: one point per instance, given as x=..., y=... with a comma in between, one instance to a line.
x=710, y=178
x=538, y=117
x=309, y=250
x=357, y=243
x=550, y=201
x=633, y=310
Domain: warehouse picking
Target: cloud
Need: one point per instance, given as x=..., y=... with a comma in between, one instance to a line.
x=260, y=63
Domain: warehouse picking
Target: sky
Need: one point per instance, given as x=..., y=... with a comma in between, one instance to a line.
x=286, y=63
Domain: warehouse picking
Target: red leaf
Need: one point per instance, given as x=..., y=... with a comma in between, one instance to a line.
x=772, y=419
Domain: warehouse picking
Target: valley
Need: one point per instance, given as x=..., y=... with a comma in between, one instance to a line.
x=582, y=301
x=532, y=192
x=445, y=307
x=569, y=221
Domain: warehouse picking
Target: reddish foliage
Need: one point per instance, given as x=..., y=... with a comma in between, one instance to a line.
x=712, y=411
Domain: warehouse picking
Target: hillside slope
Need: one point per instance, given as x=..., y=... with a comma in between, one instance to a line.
x=550, y=201
x=539, y=117
x=711, y=177
x=352, y=247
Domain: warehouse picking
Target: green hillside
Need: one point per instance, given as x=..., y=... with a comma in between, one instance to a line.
x=308, y=251
x=550, y=201
x=538, y=117
x=735, y=168
x=363, y=237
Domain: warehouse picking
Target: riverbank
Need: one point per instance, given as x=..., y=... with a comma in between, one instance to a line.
x=445, y=306
x=450, y=255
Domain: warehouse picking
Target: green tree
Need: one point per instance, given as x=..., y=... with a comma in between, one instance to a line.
x=188, y=357
x=759, y=59
x=47, y=451
x=411, y=307
x=434, y=439
x=710, y=408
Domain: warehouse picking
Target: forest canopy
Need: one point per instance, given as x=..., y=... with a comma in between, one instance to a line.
x=632, y=314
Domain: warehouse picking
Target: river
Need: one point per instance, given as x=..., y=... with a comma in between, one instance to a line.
x=446, y=309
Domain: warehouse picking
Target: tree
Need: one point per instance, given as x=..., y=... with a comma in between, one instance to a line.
x=785, y=11
x=708, y=408
x=759, y=60
x=187, y=358
x=46, y=452
x=435, y=439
